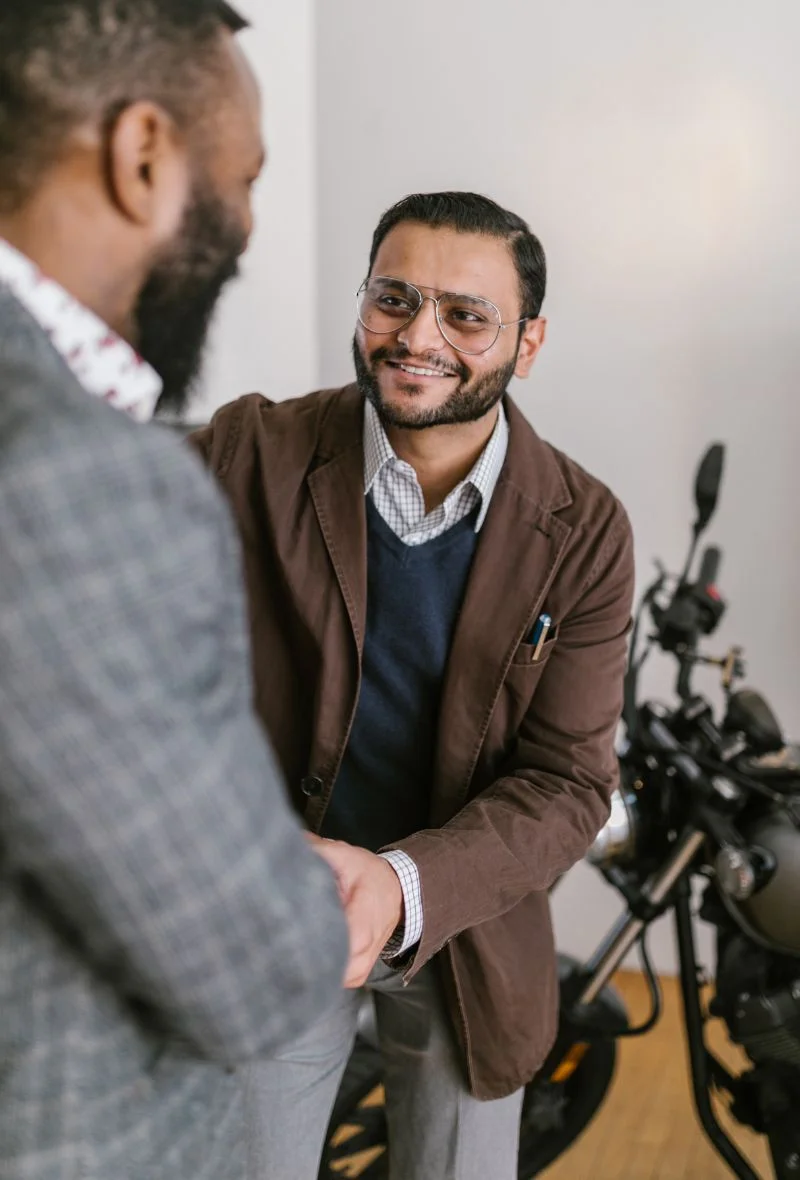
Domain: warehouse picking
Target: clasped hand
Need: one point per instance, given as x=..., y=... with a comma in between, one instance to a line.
x=372, y=897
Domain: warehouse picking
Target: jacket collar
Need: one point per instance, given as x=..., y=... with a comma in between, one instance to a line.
x=531, y=466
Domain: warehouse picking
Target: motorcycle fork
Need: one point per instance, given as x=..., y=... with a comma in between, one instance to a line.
x=581, y=1021
x=609, y=956
x=702, y=1064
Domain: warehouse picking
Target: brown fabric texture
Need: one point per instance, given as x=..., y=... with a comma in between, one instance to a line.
x=525, y=763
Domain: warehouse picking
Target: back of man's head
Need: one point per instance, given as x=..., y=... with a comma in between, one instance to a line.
x=65, y=63
x=129, y=142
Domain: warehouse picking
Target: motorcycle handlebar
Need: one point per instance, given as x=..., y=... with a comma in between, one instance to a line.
x=709, y=567
x=665, y=741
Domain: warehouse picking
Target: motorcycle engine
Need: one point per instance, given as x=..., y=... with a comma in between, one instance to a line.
x=758, y=996
x=768, y=1026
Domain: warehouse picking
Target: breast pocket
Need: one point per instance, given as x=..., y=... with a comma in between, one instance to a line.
x=523, y=678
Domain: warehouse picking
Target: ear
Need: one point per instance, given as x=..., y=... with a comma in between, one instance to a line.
x=148, y=169
x=533, y=337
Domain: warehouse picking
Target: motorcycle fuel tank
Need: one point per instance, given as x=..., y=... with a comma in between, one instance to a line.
x=773, y=912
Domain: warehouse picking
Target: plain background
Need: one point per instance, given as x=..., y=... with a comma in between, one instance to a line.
x=654, y=150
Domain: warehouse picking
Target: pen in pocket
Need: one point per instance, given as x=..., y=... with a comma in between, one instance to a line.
x=540, y=633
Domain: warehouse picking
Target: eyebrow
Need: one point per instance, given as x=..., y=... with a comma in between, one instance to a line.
x=436, y=290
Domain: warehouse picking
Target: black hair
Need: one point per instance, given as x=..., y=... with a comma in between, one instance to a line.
x=471, y=213
x=65, y=62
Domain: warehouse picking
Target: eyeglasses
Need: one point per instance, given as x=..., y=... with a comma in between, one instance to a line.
x=467, y=322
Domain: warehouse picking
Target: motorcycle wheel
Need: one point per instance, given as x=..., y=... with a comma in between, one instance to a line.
x=553, y=1116
x=355, y=1145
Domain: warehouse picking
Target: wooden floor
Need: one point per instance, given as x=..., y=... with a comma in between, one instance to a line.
x=647, y=1129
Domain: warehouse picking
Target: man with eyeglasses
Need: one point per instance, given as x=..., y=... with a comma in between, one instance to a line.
x=439, y=604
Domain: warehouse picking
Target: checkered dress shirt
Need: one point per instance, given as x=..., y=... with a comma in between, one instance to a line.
x=398, y=497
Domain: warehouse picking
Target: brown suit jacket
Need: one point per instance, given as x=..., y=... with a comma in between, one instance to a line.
x=525, y=762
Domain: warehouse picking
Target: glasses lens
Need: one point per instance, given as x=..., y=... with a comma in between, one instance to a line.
x=468, y=323
x=387, y=305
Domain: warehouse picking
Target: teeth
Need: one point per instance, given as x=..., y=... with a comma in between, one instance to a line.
x=423, y=372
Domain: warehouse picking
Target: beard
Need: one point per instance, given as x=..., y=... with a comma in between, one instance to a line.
x=176, y=305
x=472, y=399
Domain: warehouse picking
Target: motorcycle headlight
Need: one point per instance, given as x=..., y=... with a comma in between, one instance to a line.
x=616, y=840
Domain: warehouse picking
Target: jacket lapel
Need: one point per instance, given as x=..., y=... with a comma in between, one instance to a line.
x=336, y=486
x=518, y=552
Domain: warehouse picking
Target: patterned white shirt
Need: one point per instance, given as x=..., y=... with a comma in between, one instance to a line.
x=104, y=364
x=396, y=493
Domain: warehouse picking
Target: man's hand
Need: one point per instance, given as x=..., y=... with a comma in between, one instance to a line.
x=372, y=898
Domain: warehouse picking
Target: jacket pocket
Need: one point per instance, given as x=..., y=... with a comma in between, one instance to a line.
x=522, y=680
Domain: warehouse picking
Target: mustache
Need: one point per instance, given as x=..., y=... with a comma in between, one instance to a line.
x=401, y=356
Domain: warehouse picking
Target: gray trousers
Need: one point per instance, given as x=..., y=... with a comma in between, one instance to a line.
x=437, y=1130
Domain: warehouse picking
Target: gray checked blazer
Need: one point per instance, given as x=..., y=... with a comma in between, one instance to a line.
x=162, y=920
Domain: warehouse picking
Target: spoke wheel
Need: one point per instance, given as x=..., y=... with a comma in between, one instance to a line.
x=553, y=1117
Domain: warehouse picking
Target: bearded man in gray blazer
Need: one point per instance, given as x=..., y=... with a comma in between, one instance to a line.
x=162, y=919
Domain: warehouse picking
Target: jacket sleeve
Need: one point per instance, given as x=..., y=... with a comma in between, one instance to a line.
x=142, y=809
x=538, y=819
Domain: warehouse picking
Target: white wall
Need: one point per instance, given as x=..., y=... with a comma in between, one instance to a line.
x=266, y=336
x=654, y=149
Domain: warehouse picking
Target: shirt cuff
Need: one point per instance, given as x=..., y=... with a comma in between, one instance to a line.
x=409, y=933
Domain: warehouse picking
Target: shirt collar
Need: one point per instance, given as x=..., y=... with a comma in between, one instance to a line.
x=378, y=452
x=104, y=364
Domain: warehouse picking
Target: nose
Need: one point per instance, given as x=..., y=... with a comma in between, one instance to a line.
x=422, y=334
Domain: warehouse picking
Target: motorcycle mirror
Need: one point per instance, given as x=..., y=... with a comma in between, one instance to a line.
x=707, y=484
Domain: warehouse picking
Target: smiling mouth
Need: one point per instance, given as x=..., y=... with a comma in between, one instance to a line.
x=419, y=370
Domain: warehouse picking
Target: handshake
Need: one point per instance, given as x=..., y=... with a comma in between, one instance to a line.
x=372, y=897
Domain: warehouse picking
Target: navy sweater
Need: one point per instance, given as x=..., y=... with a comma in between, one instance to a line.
x=414, y=594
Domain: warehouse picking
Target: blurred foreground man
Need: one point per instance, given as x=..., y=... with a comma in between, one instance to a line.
x=439, y=604
x=162, y=918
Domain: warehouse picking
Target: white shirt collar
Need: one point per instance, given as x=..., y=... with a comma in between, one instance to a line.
x=378, y=452
x=104, y=364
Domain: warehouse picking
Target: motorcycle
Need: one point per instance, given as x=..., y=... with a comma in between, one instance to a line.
x=705, y=802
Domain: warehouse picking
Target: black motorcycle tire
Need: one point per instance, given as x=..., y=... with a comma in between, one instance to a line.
x=355, y=1128
x=585, y=1093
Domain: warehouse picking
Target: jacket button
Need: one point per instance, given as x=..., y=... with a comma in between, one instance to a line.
x=312, y=786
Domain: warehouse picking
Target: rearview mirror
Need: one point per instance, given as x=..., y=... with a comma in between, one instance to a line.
x=707, y=484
